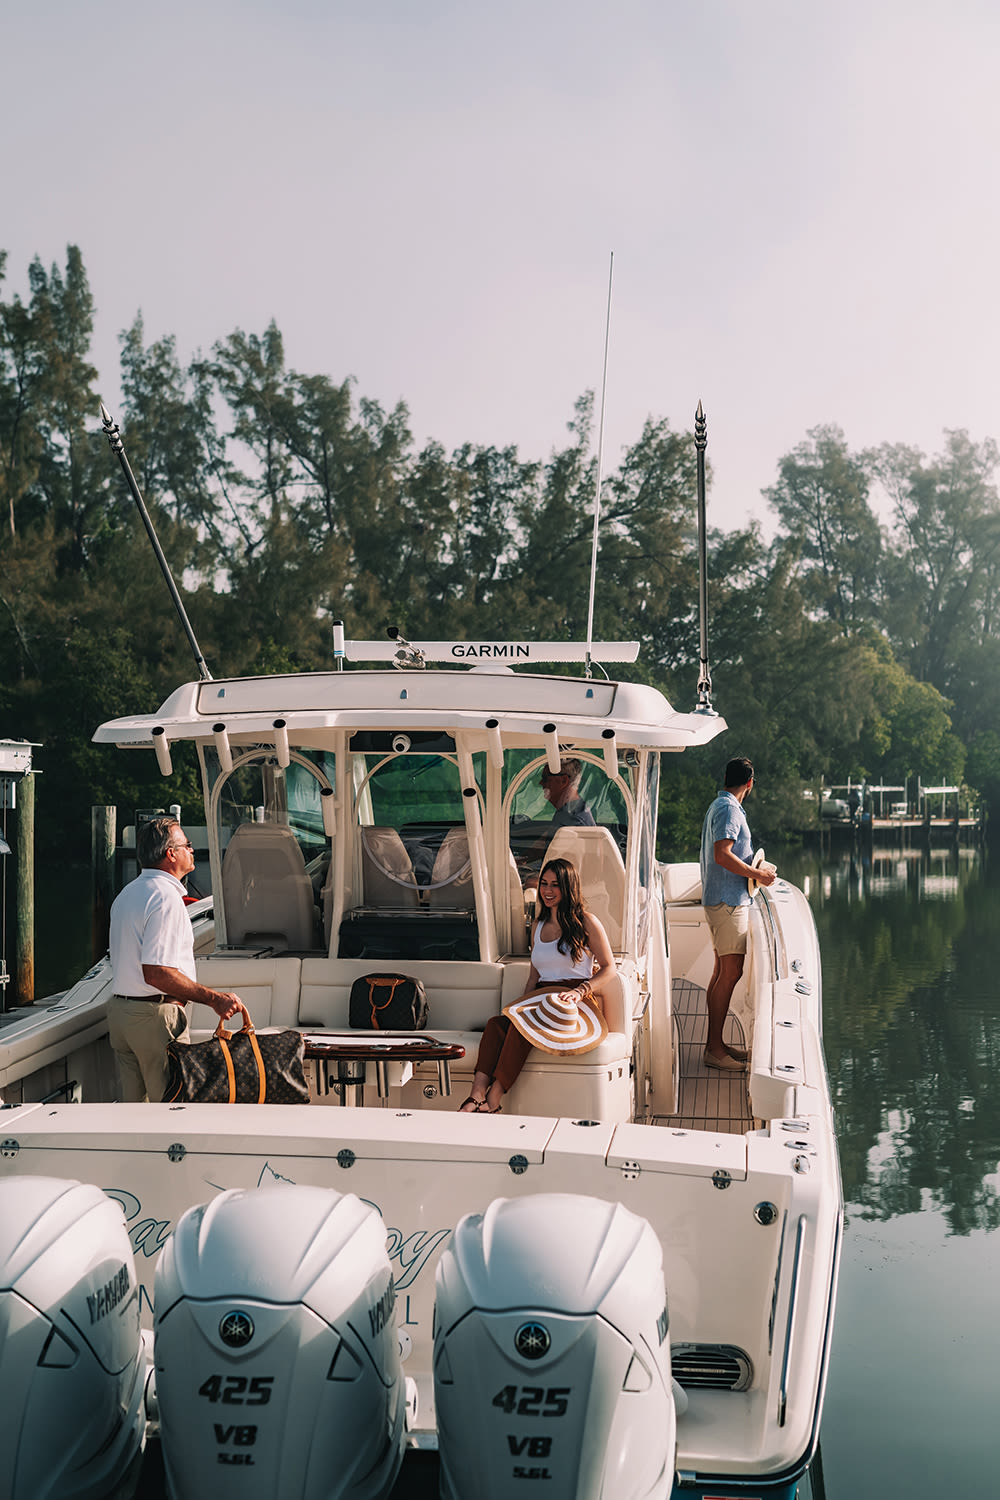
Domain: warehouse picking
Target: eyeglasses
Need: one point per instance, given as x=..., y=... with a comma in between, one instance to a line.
x=187, y=844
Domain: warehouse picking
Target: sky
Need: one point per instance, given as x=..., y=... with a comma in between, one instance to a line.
x=799, y=195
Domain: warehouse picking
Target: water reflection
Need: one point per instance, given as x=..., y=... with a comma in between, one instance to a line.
x=910, y=941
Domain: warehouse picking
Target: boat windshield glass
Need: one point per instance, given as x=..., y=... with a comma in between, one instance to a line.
x=258, y=790
x=582, y=795
x=413, y=838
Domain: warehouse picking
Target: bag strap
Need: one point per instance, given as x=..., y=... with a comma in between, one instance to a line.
x=248, y=1030
x=393, y=984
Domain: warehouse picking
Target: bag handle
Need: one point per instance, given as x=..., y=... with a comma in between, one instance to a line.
x=220, y=1031
x=248, y=1029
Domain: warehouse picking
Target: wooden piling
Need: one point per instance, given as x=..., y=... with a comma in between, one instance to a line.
x=24, y=893
x=103, y=831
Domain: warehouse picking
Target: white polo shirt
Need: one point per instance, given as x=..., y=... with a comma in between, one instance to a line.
x=150, y=925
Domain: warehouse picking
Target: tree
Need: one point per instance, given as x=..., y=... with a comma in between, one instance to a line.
x=821, y=499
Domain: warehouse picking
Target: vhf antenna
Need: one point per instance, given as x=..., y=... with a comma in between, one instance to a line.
x=600, y=475
x=117, y=446
x=704, y=675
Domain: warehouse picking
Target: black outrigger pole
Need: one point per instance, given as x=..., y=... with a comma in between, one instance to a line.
x=704, y=675
x=117, y=446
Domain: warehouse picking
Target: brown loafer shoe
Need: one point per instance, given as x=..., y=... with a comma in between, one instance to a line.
x=725, y=1064
x=739, y=1053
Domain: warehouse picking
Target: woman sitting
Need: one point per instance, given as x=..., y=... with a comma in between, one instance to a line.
x=561, y=1010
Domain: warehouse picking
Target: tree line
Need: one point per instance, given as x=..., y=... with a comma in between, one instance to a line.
x=846, y=645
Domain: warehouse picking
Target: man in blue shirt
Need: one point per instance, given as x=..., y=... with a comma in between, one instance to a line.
x=726, y=852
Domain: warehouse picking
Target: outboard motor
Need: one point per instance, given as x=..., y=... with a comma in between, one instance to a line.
x=551, y=1356
x=277, y=1359
x=71, y=1363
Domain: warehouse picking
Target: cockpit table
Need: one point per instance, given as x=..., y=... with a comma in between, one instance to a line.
x=351, y=1051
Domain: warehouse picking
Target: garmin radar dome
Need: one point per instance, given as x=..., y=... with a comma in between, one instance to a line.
x=277, y=1358
x=71, y=1361
x=551, y=1355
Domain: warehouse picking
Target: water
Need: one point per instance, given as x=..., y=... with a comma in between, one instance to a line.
x=912, y=1037
x=910, y=947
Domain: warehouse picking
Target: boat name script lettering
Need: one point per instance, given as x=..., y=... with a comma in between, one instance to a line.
x=107, y=1297
x=492, y=648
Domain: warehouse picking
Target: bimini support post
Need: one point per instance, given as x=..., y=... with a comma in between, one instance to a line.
x=495, y=743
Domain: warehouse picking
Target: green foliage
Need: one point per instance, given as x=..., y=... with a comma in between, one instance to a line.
x=285, y=500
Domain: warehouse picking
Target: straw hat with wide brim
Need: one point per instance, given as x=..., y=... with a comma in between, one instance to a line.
x=756, y=862
x=556, y=1025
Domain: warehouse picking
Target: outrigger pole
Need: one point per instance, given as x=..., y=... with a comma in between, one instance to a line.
x=704, y=705
x=600, y=474
x=117, y=446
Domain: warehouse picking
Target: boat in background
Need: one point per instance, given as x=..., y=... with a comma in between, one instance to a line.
x=390, y=817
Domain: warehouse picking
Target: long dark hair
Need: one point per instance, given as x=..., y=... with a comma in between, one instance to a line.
x=570, y=911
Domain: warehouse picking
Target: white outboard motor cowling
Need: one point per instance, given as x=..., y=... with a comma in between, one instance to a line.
x=551, y=1356
x=71, y=1362
x=277, y=1359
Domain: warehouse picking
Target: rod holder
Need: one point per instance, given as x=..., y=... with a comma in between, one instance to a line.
x=222, y=747
x=281, y=743
x=496, y=743
x=162, y=747
x=328, y=805
x=552, y=748
x=610, y=751
x=470, y=792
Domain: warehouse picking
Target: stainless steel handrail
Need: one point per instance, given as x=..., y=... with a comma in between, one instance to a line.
x=790, y=1324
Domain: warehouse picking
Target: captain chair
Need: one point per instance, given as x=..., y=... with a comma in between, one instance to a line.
x=387, y=870
x=602, y=873
x=451, y=878
x=266, y=890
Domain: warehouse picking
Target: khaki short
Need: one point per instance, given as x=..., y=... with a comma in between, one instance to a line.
x=729, y=925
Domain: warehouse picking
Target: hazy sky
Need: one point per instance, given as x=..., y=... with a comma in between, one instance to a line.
x=424, y=194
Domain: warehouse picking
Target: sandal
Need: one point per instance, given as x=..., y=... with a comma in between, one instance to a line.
x=497, y=1111
x=479, y=1103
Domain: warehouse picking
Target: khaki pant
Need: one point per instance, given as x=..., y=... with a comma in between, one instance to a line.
x=139, y=1031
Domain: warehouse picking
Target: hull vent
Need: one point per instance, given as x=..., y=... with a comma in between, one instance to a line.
x=711, y=1367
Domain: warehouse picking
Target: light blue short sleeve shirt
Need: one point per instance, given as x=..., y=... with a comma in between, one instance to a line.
x=725, y=819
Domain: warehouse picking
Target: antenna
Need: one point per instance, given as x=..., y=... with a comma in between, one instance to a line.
x=117, y=446
x=704, y=705
x=600, y=473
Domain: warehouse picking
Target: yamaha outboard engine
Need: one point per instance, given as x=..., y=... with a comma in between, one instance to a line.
x=71, y=1362
x=277, y=1358
x=551, y=1357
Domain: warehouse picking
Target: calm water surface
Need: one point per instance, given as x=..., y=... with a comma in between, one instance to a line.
x=910, y=946
x=911, y=949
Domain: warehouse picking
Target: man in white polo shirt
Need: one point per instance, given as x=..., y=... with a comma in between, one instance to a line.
x=152, y=957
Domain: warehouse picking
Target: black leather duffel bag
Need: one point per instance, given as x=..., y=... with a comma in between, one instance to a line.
x=238, y=1067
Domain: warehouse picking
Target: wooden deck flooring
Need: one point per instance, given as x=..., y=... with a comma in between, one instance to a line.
x=709, y=1100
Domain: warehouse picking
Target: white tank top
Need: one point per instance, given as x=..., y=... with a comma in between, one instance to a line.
x=550, y=963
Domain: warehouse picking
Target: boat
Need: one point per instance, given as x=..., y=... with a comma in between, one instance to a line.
x=392, y=818
x=387, y=815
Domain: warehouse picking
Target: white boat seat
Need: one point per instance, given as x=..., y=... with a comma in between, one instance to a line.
x=266, y=890
x=387, y=870
x=451, y=877
x=602, y=873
